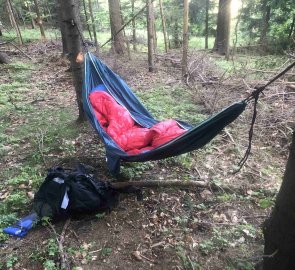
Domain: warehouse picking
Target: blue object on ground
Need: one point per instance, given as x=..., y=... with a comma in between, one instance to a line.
x=21, y=227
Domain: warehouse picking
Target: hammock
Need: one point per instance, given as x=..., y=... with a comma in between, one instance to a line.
x=97, y=73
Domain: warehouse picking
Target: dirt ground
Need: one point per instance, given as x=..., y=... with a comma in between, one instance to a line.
x=219, y=227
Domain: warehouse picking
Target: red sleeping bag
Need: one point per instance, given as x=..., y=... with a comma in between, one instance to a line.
x=118, y=123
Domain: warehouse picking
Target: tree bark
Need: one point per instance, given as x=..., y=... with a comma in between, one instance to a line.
x=14, y=22
x=292, y=27
x=116, y=24
x=70, y=12
x=86, y=18
x=265, y=23
x=133, y=27
x=221, y=45
x=155, y=34
x=279, y=230
x=62, y=25
x=207, y=24
x=93, y=25
x=185, y=37
x=124, y=25
x=32, y=19
x=39, y=20
x=150, y=33
x=163, y=26
x=176, y=38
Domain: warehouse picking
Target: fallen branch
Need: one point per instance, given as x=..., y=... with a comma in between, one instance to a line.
x=20, y=50
x=159, y=183
x=64, y=264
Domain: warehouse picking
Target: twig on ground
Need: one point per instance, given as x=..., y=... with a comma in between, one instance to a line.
x=64, y=263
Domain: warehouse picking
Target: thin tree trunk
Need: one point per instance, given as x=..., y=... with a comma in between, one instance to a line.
x=155, y=34
x=176, y=39
x=32, y=19
x=39, y=20
x=61, y=14
x=14, y=22
x=236, y=30
x=133, y=27
x=50, y=19
x=123, y=26
x=116, y=24
x=185, y=37
x=86, y=18
x=70, y=12
x=125, y=37
x=163, y=25
x=22, y=17
x=279, y=230
x=150, y=35
x=207, y=24
x=292, y=27
x=221, y=44
x=265, y=23
x=93, y=25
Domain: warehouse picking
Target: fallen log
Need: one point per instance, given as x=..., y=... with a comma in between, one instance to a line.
x=160, y=183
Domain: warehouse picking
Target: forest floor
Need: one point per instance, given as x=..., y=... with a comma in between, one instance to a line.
x=219, y=227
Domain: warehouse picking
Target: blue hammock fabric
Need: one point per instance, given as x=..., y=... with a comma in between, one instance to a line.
x=96, y=72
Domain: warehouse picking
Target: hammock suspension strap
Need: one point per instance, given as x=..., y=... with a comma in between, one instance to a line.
x=255, y=96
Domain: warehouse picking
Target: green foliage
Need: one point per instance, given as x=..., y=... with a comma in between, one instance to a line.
x=197, y=16
x=101, y=215
x=11, y=261
x=171, y=102
x=50, y=265
x=52, y=248
x=186, y=262
x=106, y=251
x=253, y=20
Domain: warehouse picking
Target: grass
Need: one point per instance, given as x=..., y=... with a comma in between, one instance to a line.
x=30, y=134
x=31, y=35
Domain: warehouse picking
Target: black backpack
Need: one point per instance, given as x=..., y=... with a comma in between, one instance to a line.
x=75, y=192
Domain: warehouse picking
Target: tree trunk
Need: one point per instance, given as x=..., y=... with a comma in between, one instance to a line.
x=223, y=28
x=292, y=27
x=86, y=18
x=163, y=26
x=14, y=22
x=176, y=39
x=49, y=16
x=185, y=37
x=279, y=230
x=39, y=20
x=155, y=34
x=93, y=25
x=70, y=12
x=62, y=25
x=133, y=28
x=207, y=24
x=150, y=33
x=4, y=58
x=32, y=19
x=116, y=24
x=265, y=23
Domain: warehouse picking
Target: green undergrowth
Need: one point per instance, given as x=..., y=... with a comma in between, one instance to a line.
x=31, y=136
x=166, y=102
